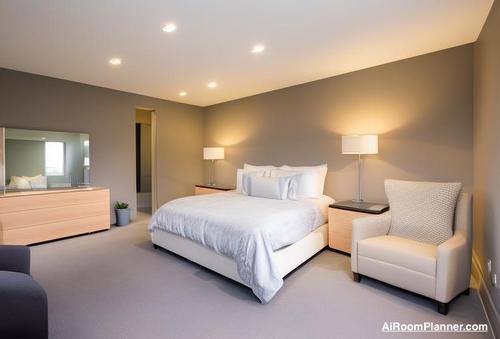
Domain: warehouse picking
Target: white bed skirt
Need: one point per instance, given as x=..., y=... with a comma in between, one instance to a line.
x=286, y=259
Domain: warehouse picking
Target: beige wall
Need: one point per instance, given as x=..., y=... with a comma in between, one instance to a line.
x=420, y=107
x=487, y=152
x=38, y=102
x=143, y=116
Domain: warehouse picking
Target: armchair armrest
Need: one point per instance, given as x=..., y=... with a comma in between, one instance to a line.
x=15, y=258
x=23, y=307
x=368, y=227
x=453, y=267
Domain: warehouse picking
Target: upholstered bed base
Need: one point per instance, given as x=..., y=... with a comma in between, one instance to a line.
x=286, y=259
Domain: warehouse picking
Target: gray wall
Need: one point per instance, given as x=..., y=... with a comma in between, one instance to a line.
x=108, y=116
x=420, y=107
x=487, y=152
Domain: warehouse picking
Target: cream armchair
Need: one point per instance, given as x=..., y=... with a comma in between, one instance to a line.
x=439, y=272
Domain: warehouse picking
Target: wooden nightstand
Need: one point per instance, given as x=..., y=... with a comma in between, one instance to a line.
x=207, y=189
x=340, y=216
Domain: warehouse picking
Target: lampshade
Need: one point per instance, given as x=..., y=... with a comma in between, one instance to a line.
x=360, y=144
x=213, y=153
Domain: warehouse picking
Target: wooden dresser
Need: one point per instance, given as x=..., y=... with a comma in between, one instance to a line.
x=37, y=216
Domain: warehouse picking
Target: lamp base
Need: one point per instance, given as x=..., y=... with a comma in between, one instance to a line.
x=359, y=201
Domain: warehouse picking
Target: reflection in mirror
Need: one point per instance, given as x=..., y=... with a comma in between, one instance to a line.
x=44, y=159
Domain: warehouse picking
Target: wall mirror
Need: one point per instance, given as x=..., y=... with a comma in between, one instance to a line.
x=33, y=159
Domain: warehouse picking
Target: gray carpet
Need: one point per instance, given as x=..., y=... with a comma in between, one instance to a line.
x=115, y=285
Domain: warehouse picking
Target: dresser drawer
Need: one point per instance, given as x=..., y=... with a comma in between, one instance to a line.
x=27, y=218
x=32, y=217
x=39, y=201
x=44, y=232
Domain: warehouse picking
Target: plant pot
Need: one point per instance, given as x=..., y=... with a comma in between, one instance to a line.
x=122, y=216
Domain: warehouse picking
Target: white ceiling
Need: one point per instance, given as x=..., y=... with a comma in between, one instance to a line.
x=305, y=40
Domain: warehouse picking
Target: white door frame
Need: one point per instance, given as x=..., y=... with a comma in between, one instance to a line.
x=154, y=191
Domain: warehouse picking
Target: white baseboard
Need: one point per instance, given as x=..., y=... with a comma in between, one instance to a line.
x=485, y=296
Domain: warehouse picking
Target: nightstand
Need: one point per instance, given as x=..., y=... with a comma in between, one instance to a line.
x=208, y=189
x=340, y=217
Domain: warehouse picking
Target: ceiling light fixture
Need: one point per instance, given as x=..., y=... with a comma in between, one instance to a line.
x=182, y=94
x=257, y=49
x=212, y=84
x=115, y=61
x=169, y=28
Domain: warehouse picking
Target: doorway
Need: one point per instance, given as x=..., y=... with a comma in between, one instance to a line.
x=144, y=151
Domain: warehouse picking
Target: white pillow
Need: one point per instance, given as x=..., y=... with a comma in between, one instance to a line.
x=312, y=181
x=266, y=187
x=19, y=182
x=267, y=169
x=239, y=178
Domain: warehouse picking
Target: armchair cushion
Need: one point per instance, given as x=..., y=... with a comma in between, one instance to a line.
x=422, y=211
x=407, y=253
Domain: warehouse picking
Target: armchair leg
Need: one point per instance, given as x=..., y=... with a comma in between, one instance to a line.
x=466, y=292
x=356, y=277
x=155, y=246
x=442, y=308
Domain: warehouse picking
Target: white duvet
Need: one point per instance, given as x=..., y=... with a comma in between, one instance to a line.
x=247, y=229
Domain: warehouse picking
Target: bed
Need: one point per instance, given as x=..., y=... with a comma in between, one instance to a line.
x=254, y=241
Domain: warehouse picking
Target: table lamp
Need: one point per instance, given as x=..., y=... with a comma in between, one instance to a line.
x=359, y=144
x=213, y=154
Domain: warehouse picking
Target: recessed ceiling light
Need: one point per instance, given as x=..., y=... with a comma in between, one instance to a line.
x=169, y=28
x=212, y=84
x=257, y=49
x=115, y=61
x=182, y=94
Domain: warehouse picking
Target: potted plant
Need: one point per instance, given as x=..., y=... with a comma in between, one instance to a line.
x=122, y=213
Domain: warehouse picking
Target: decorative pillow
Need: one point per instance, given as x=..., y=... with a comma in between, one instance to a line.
x=239, y=178
x=266, y=187
x=267, y=169
x=295, y=179
x=312, y=181
x=422, y=211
